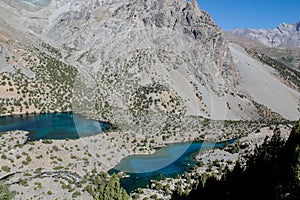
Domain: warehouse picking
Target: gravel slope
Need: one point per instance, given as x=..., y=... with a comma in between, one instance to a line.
x=260, y=83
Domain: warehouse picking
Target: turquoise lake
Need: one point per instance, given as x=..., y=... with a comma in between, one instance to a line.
x=177, y=158
x=53, y=126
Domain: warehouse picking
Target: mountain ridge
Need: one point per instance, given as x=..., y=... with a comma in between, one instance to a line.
x=284, y=35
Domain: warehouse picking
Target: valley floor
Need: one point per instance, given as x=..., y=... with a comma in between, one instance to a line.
x=59, y=169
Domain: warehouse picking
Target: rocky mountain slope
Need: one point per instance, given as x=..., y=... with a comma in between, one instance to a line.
x=138, y=64
x=287, y=56
x=259, y=81
x=285, y=35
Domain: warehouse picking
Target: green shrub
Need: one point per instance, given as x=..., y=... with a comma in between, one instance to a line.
x=5, y=168
x=5, y=194
x=58, y=167
x=47, y=141
x=76, y=194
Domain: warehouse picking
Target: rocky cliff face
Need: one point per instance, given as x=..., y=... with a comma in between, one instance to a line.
x=148, y=58
x=148, y=61
x=285, y=35
x=130, y=25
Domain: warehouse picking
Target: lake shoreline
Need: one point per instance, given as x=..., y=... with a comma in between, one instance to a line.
x=82, y=156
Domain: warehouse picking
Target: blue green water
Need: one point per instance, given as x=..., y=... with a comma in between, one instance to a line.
x=53, y=126
x=178, y=157
x=170, y=161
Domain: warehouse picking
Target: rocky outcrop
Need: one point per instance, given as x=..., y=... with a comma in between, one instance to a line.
x=100, y=25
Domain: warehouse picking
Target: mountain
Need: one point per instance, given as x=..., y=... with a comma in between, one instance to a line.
x=166, y=47
x=138, y=64
x=285, y=35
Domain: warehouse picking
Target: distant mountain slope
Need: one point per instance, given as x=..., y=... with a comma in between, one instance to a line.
x=287, y=56
x=285, y=35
